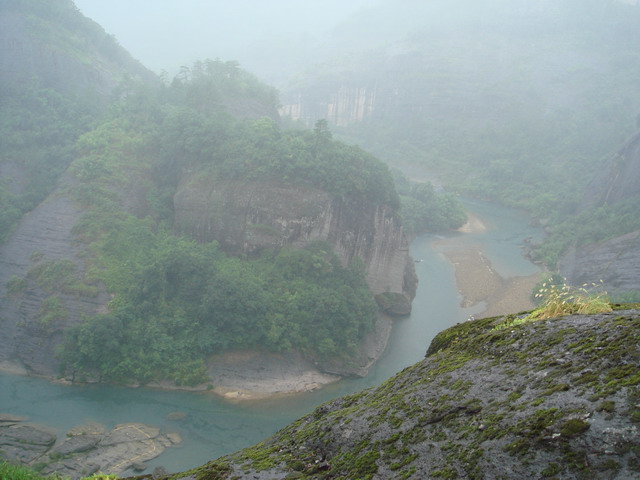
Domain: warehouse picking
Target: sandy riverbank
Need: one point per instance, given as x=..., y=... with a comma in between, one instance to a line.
x=479, y=284
x=253, y=375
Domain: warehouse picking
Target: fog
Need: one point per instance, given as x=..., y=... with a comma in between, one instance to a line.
x=165, y=34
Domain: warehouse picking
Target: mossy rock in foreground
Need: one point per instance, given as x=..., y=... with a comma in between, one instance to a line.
x=495, y=399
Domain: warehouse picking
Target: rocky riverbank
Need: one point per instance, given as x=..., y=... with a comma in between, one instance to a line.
x=83, y=450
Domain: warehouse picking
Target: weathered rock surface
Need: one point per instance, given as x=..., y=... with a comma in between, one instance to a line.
x=246, y=217
x=616, y=262
x=44, y=234
x=85, y=449
x=619, y=180
x=494, y=399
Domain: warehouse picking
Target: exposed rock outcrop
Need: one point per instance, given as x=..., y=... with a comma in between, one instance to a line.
x=30, y=336
x=619, y=180
x=495, y=398
x=615, y=262
x=346, y=106
x=245, y=217
x=85, y=449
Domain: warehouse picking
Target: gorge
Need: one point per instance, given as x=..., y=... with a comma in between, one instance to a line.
x=189, y=272
x=214, y=427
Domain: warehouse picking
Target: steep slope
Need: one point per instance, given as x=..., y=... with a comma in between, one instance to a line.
x=493, y=399
x=619, y=179
x=246, y=217
x=65, y=51
x=117, y=262
x=36, y=310
x=59, y=72
x=614, y=193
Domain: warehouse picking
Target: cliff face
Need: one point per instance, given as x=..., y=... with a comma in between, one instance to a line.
x=494, y=399
x=35, y=311
x=345, y=106
x=619, y=180
x=245, y=217
x=616, y=262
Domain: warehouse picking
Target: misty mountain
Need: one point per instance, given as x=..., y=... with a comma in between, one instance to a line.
x=59, y=71
x=520, y=102
x=164, y=222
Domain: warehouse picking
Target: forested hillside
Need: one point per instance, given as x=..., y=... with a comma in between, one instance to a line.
x=59, y=70
x=520, y=102
x=183, y=300
x=139, y=191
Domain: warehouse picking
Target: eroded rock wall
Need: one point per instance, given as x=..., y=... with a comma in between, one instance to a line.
x=615, y=262
x=29, y=339
x=245, y=217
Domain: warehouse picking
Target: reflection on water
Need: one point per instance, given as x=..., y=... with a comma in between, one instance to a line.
x=213, y=427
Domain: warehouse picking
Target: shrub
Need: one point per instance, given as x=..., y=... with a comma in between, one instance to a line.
x=559, y=300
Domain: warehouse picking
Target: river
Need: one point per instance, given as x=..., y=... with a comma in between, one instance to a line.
x=213, y=427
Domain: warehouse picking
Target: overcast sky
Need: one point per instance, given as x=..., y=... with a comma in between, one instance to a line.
x=164, y=34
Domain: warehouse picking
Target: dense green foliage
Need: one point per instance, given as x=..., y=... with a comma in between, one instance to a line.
x=17, y=472
x=38, y=127
x=176, y=301
x=423, y=210
x=50, y=93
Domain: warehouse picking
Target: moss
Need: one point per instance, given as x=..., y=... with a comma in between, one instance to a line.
x=574, y=427
x=215, y=470
x=608, y=406
x=405, y=461
x=608, y=465
x=563, y=387
x=513, y=396
x=366, y=464
x=551, y=470
x=16, y=285
x=453, y=335
x=446, y=473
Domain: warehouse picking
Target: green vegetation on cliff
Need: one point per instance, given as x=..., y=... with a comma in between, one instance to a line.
x=38, y=127
x=58, y=71
x=424, y=210
x=176, y=301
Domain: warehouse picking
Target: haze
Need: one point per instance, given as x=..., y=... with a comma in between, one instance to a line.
x=165, y=34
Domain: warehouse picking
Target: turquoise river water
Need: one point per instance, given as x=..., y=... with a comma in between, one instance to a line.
x=213, y=427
